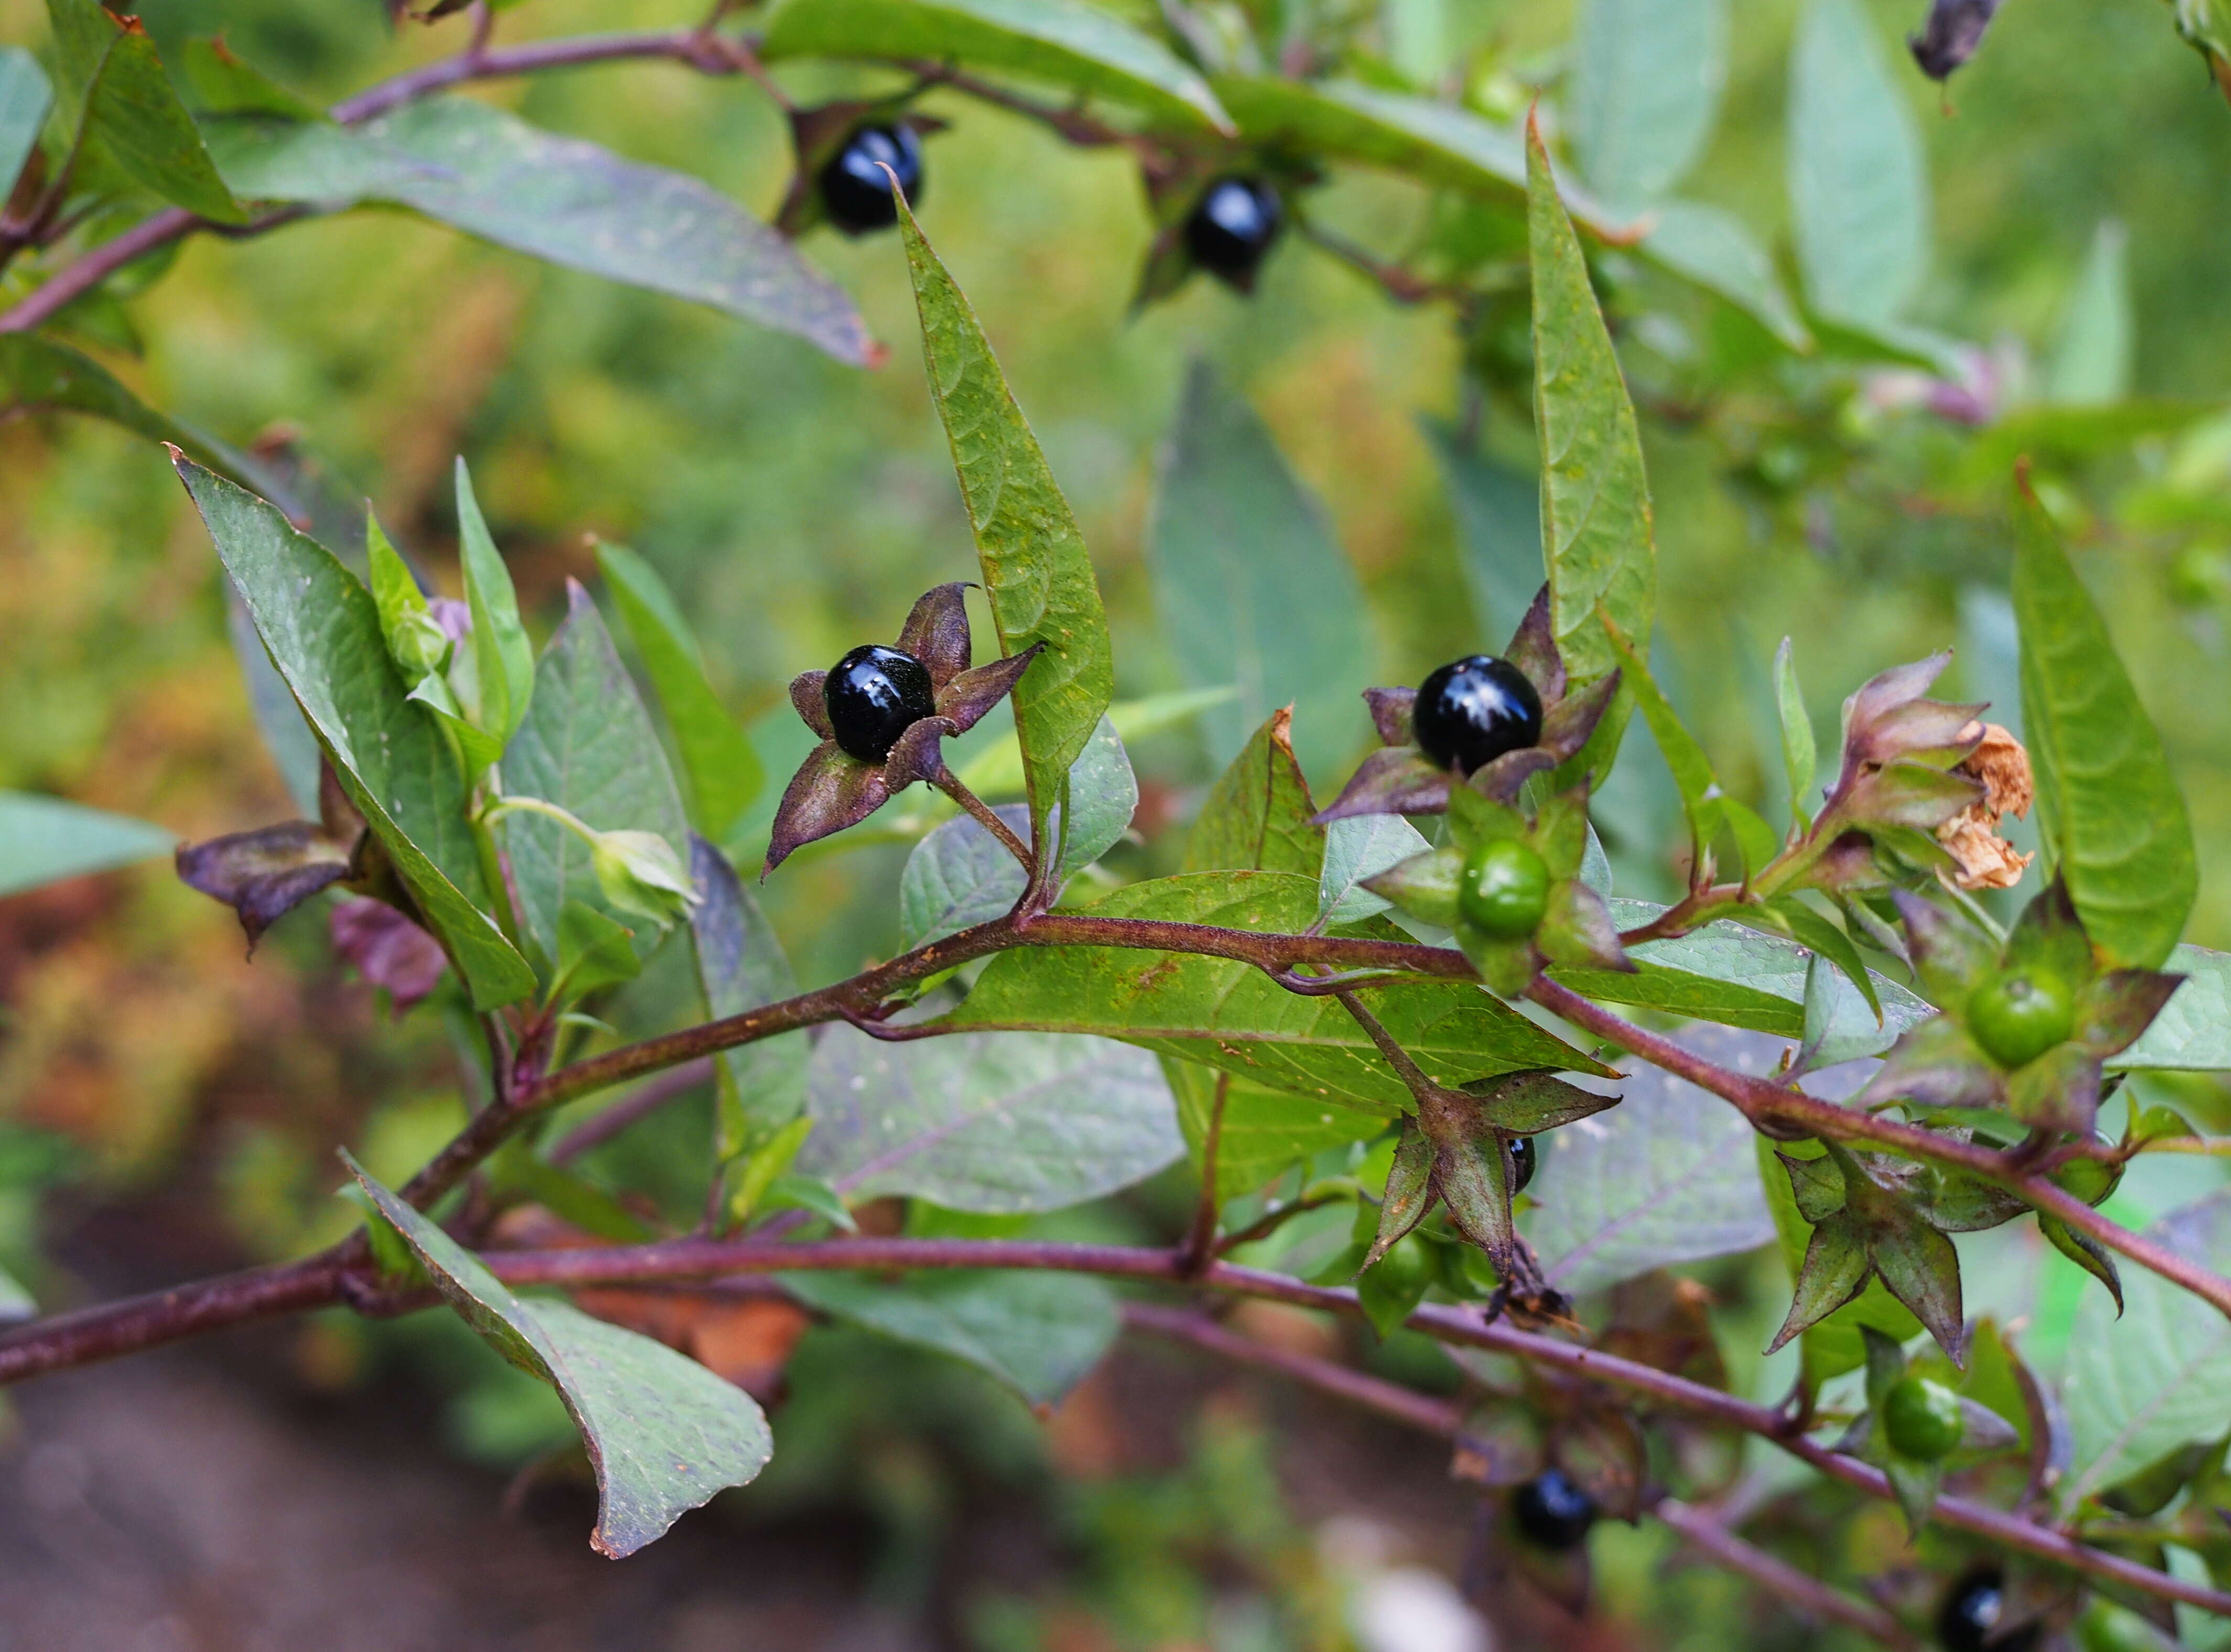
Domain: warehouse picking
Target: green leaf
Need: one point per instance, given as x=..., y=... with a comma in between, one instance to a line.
x=992, y=1125
x=135, y=112
x=1081, y=49
x=503, y=659
x=593, y=951
x=741, y=965
x=2091, y=363
x=1595, y=502
x=17, y=1304
x=2110, y=815
x=1799, y=756
x=43, y=840
x=1646, y=85
x=1264, y=1133
x=1252, y=587
x=664, y=1434
x=1498, y=520
x=2192, y=1033
x=1834, y=1346
x=1859, y=191
x=25, y=97
x=961, y=875
x=721, y=769
x=2205, y=25
x=997, y=771
x=587, y=745
x=1257, y=814
x=2137, y=1388
x=415, y=639
x=1664, y=1177
x=1692, y=770
x=1359, y=847
x=1232, y=1015
x=1038, y=1333
x=482, y=171
x=1036, y=572
x=321, y=629
x=224, y=84
x=570, y=1197
x=38, y=375
x=1712, y=247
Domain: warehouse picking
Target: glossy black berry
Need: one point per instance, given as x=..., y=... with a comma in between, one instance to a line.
x=874, y=695
x=1473, y=710
x=1551, y=1509
x=854, y=192
x=1968, y=1620
x=1524, y=1161
x=1231, y=227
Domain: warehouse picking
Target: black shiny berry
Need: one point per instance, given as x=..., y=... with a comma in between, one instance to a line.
x=854, y=192
x=1551, y=1509
x=1473, y=710
x=1524, y=1160
x=1231, y=227
x=874, y=695
x=1968, y=1621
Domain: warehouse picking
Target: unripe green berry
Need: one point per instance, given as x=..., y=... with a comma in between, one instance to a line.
x=2018, y=1014
x=1505, y=890
x=1921, y=1419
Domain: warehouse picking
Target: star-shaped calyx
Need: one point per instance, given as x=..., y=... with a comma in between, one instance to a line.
x=2026, y=1027
x=834, y=788
x=1401, y=779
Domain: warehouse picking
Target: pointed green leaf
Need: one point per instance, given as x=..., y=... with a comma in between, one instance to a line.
x=321, y=629
x=415, y=640
x=1409, y=1193
x=466, y=163
x=43, y=840
x=1253, y=587
x=223, y=83
x=1036, y=572
x=1646, y=85
x=1041, y=1334
x=984, y=1124
x=741, y=965
x=718, y=764
x=664, y=1434
x=1834, y=1273
x=2110, y=813
x=25, y=97
x=1859, y=192
x=1799, y=754
x=1595, y=501
x=1080, y=48
x=2091, y=364
x=135, y=112
x=40, y=375
x=1232, y=1015
x=503, y=659
x=586, y=745
x=1257, y=814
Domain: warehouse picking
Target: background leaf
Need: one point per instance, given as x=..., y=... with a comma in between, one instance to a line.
x=136, y=114
x=1038, y=1333
x=1665, y=1176
x=1357, y=847
x=2091, y=363
x=1080, y=48
x=322, y=631
x=664, y=1434
x=2193, y=1031
x=1036, y=572
x=45, y=839
x=2160, y=1376
x=2110, y=814
x=993, y=1125
x=1231, y=1016
x=1420, y=138
x=1595, y=503
x=25, y=97
x=1264, y=1132
x=741, y=965
x=1497, y=509
x=721, y=769
x=490, y=174
x=587, y=745
x=1252, y=587
x=1646, y=85
x=1714, y=249
x=1859, y=194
